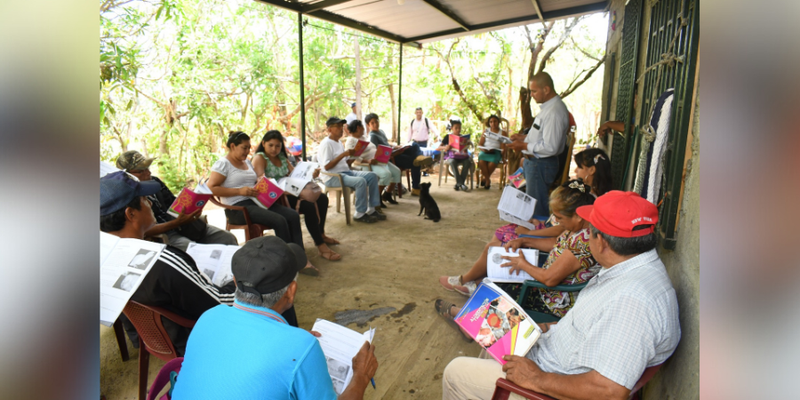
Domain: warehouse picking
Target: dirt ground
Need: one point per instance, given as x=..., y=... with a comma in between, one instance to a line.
x=394, y=263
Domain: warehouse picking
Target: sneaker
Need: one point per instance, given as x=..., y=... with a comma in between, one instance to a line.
x=378, y=215
x=466, y=289
x=457, y=187
x=383, y=205
x=366, y=218
x=448, y=282
x=387, y=197
x=415, y=192
x=423, y=161
x=465, y=188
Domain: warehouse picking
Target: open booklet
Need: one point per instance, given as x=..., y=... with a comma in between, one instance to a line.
x=494, y=260
x=213, y=261
x=516, y=207
x=123, y=266
x=268, y=192
x=340, y=344
x=301, y=175
x=189, y=201
x=356, y=144
x=497, y=322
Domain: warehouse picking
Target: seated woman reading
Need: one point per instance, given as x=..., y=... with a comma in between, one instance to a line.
x=388, y=173
x=569, y=261
x=271, y=161
x=456, y=158
x=492, y=153
x=233, y=179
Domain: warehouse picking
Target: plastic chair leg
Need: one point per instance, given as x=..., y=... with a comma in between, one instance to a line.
x=120, y=334
x=144, y=363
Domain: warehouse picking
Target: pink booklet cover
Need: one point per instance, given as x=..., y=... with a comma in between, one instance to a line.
x=383, y=154
x=360, y=147
x=497, y=323
x=518, y=179
x=188, y=202
x=458, y=143
x=268, y=192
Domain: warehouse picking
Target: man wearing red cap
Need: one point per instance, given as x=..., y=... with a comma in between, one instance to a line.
x=625, y=320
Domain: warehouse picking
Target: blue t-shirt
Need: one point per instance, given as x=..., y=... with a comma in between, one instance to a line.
x=247, y=352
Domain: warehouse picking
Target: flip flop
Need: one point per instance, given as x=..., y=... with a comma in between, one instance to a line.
x=311, y=270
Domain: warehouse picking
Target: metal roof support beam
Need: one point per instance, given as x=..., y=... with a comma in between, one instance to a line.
x=302, y=84
x=448, y=13
x=538, y=10
x=584, y=9
x=310, y=8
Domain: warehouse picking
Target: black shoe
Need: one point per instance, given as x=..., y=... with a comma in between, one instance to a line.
x=366, y=218
x=387, y=197
x=488, y=185
x=465, y=188
x=378, y=216
x=383, y=205
x=457, y=187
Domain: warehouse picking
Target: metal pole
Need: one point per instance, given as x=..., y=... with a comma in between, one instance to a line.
x=302, y=85
x=400, y=97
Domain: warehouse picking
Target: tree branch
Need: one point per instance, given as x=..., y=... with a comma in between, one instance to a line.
x=568, y=27
x=586, y=77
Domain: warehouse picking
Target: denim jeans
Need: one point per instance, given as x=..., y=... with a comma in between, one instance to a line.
x=361, y=181
x=466, y=168
x=539, y=175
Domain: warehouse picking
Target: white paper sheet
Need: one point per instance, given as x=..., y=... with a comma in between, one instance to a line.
x=517, y=204
x=494, y=260
x=213, y=261
x=123, y=265
x=500, y=138
x=107, y=168
x=304, y=170
x=340, y=344
x=292, y=186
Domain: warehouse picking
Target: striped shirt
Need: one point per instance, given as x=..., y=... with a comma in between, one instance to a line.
x=626, y=319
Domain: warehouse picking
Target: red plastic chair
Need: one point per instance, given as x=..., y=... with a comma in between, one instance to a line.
x=153, y=338
x=251, y=229
x=504, y=388
x=163, y=378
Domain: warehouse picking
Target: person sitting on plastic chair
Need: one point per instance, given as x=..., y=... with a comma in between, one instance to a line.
x=455, y=158
x=332, y=156
x=625, y=320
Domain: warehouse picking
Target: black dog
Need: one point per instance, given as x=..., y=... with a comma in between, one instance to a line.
x=427, y=203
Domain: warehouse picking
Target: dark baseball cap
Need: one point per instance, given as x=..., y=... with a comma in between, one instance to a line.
x=132, y=160
x=334, y=121
x=118, y=189
x=267, y=264
x=352, y=104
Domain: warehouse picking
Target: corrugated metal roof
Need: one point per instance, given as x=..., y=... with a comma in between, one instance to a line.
x=420, y=21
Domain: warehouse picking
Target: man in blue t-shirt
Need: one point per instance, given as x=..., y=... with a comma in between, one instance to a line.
x=248, y=351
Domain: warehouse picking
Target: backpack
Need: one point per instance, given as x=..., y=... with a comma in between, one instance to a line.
x=426, y=123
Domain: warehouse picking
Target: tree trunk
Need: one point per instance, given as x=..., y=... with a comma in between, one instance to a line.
x=394, y=114
x=358, y=77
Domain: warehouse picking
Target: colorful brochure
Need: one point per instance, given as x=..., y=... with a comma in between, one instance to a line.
x=189, y=201
x=518, y=178
x=356, y=144
x=457, y=142
x=383, y=154
x=497, y=322
x=268, y=192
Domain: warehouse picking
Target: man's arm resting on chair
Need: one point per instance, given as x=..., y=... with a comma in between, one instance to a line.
x=590, y=385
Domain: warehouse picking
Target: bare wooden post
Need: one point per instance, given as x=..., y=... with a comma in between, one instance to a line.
x=358, y=77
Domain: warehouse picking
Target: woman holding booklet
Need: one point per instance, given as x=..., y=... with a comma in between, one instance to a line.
x=491, y=149
x=457, y=158
x=569, y=261
x=271, y=161
x=388, y=173
x=233, y=179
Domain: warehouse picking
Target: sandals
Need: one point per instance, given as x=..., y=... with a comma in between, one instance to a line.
x=329, y=240
x=443, y=308
x=330, y=255
x=310, y=270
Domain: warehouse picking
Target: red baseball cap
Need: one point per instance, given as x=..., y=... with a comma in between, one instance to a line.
x=616, y=213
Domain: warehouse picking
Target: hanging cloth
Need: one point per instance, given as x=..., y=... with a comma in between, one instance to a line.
x=654, y=142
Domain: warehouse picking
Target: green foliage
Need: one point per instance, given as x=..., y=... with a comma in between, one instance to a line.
x=176, y=76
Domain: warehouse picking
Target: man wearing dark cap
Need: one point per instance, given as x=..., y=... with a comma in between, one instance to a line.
x=625, y=319
x=332, y=156
x=248, y=350
x=184, y=229
x=174, y=281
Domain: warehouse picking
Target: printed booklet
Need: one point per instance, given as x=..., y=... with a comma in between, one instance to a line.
x=457, y=142
x=496, y=273
x=516, y=207
x=497, y=322
x=340, y=344
x=517, y=179
x=383, y=154
x=268, y=192
x=356, y=144
x=189, y=201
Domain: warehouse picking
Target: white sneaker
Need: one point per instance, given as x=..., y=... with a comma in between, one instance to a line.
x=466, y=289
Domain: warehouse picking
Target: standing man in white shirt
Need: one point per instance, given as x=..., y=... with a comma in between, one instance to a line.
x=350, y=117
x=544, y=142
x=419, y=129
x=332, y=156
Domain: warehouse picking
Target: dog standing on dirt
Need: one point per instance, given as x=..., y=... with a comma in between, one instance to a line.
x=427, y=203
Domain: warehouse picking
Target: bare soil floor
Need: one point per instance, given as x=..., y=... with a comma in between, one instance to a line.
x=394, y=263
